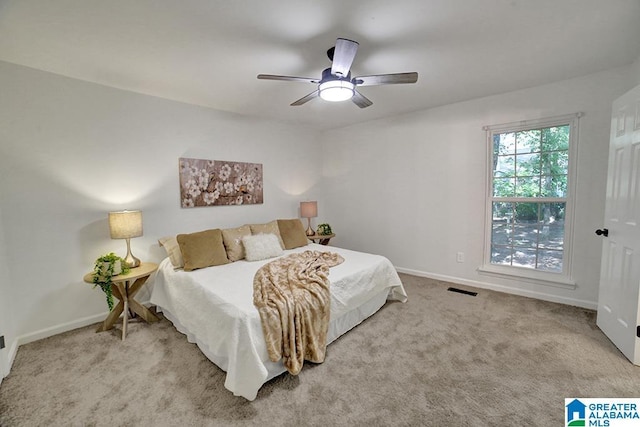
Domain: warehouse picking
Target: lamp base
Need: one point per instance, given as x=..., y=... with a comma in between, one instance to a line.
x=129, y=259
x=309, y=231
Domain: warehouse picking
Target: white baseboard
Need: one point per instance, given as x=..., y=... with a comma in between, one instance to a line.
x=45, y=333
x=49, y=332
x=63, y=327
x=501, y=288
x=11, y=356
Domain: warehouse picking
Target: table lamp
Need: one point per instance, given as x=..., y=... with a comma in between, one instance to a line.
x=309, y=210
x=125, y=225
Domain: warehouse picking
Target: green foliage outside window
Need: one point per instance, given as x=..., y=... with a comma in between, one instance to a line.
x=530, y=164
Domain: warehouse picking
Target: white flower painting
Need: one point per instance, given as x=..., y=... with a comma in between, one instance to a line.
x=218, y=182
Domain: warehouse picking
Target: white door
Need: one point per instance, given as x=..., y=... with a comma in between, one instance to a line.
x=618, y=303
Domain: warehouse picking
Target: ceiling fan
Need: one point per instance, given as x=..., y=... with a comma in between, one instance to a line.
x=336, y=83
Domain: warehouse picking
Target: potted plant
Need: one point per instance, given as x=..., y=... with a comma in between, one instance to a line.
x=324, y=230
x=105, y=268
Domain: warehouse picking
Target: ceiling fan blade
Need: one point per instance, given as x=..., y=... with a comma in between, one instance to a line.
x=360, y=100
x=287, y=78
x=343, y=55
x=306, y=98
x=386, y=79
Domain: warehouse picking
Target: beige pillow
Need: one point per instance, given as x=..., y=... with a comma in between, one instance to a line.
x=268, y=228
x=232, y=238
x=202, y=249
x=292, y=233
x=170, y=245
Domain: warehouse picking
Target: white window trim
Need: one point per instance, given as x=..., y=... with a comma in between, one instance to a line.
x=564, y=279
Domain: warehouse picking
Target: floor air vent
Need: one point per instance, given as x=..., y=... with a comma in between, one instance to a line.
x=462, y=291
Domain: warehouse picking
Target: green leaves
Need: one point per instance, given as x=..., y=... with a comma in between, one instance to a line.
x=104, y=269
x=531, y=163
x=324, y=229
x=106, y=288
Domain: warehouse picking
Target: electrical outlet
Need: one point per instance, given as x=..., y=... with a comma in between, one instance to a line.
x=460, y=257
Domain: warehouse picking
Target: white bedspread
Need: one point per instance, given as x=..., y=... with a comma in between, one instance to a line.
x=214, y=308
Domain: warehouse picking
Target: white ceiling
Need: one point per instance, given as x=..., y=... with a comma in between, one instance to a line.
x=208, y=52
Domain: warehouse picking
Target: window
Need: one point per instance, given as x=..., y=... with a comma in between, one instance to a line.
x=529, y=199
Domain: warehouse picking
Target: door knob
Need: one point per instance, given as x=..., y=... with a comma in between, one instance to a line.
x=604, y=232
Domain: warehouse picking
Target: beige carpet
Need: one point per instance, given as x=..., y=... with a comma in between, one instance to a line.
x=441, y=359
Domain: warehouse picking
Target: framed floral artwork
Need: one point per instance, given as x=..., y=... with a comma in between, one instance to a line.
x=219, y=182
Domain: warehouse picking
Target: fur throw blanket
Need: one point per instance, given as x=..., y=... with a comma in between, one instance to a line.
x=292, y=297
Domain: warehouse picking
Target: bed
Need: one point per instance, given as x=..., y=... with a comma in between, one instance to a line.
x=214, y=308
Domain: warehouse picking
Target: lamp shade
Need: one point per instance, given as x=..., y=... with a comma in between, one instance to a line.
x=308, y=209
x=125, y=224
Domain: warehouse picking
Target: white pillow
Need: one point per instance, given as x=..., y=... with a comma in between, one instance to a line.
x=261, y=246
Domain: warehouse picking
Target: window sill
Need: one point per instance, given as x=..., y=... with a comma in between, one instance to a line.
x=535, y=277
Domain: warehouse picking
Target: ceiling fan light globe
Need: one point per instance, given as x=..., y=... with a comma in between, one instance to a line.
x=336, y=90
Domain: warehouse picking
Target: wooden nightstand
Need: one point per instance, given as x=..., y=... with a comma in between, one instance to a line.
x=126, y=286
x=322, y=239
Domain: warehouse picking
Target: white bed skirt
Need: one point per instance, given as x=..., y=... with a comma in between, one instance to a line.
x=337, y=328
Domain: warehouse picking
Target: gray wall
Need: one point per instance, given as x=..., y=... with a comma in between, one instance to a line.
x=71, y=151
x=413, y=187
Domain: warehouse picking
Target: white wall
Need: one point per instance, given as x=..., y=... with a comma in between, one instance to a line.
x=636, y=70
x=71, y=151
x=412, y=187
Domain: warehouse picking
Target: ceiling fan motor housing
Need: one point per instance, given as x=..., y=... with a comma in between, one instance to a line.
x=327, y=76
